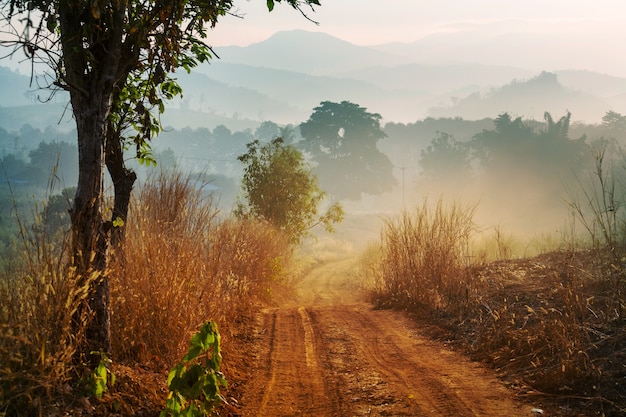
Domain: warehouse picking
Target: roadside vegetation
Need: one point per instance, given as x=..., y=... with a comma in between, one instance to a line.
x=182, y=263
x=551, y=324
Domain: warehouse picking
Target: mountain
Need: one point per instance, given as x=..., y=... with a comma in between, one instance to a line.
x=285, y=76
x=548, y=45
x=437, y=79
x=307, y=52
x=305, y=92
x=527, y=98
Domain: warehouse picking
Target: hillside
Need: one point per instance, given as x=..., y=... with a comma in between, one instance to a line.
x=528, y=98
x=404, y=83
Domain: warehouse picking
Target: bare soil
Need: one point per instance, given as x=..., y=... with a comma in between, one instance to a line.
x=328, y=353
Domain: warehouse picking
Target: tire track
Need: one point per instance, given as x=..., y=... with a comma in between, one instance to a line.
x=420, y=378
x=292, y=379
x=332, y=360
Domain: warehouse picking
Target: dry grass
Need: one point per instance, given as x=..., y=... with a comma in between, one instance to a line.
x=553, y=324
x=424, y=258
x=38, y=321
x=181, y=265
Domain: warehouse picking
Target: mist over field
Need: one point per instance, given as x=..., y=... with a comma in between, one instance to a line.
x=439, y=99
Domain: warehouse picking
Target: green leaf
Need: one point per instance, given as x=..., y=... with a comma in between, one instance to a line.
x=270, y=5
x=193, y=353
x=173, y=373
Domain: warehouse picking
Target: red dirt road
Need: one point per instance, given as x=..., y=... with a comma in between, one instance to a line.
x=328, y=354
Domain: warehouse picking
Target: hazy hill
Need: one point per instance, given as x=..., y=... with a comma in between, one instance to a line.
x=444, y=74
x=285, y=76
x=551, y=46
x=527, y=98
x=438, y=79
x=39, y=116
x=307, y=52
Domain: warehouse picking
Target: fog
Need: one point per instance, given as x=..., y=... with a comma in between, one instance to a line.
x=439, y=75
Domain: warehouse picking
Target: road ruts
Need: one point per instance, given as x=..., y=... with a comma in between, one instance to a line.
x=331, y=356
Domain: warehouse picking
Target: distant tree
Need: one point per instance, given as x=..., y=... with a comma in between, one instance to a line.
x=56, y=212
x=278, y=186
x=267, y=131
x=614, y=120
x=58, y=157
x=288, y=134
x=13, y=168
x=342, y=138
x=114, y=58
x=615, y=126
x=166, y=160
x=514, y=152
x=446, y=159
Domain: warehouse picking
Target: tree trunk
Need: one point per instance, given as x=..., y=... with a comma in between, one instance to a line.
x=90, y=76
x=89, y=232
x=123, y=181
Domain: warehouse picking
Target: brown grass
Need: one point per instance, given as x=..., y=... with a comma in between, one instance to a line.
x=424, y=258
x=553, y=325
x=38, y=323
x=181, y=265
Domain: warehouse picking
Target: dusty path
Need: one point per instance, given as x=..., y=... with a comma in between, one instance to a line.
x=331, y=355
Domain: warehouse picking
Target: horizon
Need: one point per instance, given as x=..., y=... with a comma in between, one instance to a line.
x=586, y=38
x=365, y=23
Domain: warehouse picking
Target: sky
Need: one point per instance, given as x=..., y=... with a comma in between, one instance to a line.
x=373, y=22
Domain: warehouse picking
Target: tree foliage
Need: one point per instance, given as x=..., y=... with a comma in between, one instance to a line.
x=278, y=186
x=446, y=159
x=548, y=154
x=342, y=139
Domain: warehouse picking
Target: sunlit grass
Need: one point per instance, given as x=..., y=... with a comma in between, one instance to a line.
x=181, y=264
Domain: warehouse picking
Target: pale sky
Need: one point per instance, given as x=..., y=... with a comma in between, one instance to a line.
x=371, y=22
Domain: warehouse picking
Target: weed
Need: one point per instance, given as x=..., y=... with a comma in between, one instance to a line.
x=195, y=383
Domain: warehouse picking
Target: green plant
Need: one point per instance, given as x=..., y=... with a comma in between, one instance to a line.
x=101, y=377
x=194, y=383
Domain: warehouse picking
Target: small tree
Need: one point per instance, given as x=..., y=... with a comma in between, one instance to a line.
x=278, y=186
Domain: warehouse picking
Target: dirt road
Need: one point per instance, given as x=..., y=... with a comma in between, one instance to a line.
x=329, y=354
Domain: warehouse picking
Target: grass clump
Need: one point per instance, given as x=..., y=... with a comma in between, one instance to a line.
x=182, y=264
x=39, y=320
x=424, y=259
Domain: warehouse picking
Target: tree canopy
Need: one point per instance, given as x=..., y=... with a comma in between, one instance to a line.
x=446, y=160
x=278, y=186
x=342, y=139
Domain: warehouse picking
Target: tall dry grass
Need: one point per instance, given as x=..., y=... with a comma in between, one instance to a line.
x=40, y=296
x=424, y=258
x=182, y=264
x=554, y=323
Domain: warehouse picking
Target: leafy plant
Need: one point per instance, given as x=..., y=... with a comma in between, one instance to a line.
x=194, y=383
x=101, y=377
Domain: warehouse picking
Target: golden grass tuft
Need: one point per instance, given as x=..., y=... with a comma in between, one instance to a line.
x=181, y=265
x=424, y=258
x=38, y=320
